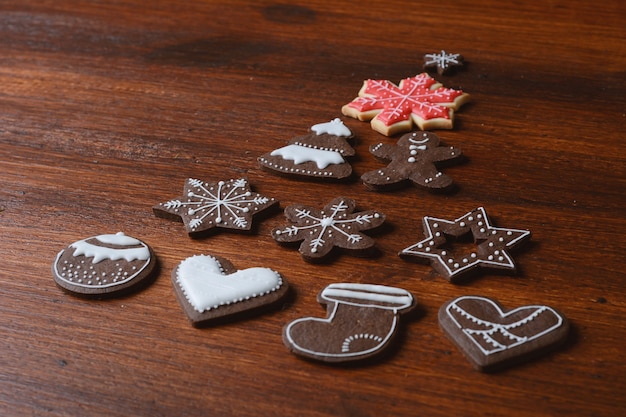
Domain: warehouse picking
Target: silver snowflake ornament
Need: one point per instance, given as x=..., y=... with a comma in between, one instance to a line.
x=443, y=61
x=335, y=225
x=206, y=205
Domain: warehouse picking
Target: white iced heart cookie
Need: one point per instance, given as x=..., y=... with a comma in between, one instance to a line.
x=210, y=287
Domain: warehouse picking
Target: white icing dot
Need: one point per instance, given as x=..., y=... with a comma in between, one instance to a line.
x=411, y=159
x=462, y=224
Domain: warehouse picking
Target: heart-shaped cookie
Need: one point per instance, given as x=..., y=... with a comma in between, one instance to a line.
x=210, y=287
x=492, y=336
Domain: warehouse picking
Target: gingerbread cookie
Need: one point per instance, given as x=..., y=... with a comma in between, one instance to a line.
x=393, y=109
x=319, y=154
x=489, y=251
x=207, y=205
x=361, y=322
x=104, y=265
x=443, y=62
x=335, y=225
x=413, y=159
x=492, y=337
x=210, y=288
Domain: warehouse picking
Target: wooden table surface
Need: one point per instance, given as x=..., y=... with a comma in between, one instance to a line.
x=107, y=107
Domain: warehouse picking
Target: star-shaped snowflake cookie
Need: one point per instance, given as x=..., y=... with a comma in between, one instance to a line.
x=335, y=225
x=206, y=205
x=489, y=250
x=419, y=100
x=413, y=158
x=443, y=62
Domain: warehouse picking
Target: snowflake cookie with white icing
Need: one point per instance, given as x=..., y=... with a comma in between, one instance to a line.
x=104, y=265
x=443, y=62
x=336, y=225
x=418, y=100
x=210, y=288
x=414, y=158
x=362, y=321
x=319, y=154
x=449, y=249
x=206, y=205
x=491, y=336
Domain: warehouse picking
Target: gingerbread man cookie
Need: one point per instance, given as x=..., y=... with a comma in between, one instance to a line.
x=413, y=159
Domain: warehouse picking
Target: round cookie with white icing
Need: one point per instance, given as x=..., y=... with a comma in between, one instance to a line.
x=209, y=288
x=104, y=265
x=319, y=154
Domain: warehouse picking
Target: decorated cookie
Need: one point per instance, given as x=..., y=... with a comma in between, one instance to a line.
x=412, y=159
x=104, y=265
x=394, y=109
x=443, y=62
x=319, y=154
x=492, y=337
x=207, y=205
x=210, y=288
x=361, y=322
x=443, y=246
x=335, y=225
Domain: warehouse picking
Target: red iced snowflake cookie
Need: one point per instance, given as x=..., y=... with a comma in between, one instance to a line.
x=492, y=337
x=419, y=100
x=490, y=248
x=207, y=205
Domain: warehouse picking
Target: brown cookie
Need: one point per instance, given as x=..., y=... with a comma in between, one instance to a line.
x=418, y=100
x=443, y=62
x=104, y=265
x=320, y=154
x=361, y=322
x=210, y=288
x=206, y=205
x=336, y=225
x=413, y=158
x=453, y=261
x=492, y=337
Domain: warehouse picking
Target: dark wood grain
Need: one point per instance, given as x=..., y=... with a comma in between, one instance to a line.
x=107, y=107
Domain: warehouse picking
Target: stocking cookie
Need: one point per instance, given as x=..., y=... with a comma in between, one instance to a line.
x=104, y=265
x=335, y=225
x=320, y=154
x=361, y=322
x=414, y=159
x=443, y=62
x=393, y=109
x=489, y=250
x=210, y=288
x=492, y=337
x=207, y=205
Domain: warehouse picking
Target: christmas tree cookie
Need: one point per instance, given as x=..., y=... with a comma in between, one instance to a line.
x=319, y=154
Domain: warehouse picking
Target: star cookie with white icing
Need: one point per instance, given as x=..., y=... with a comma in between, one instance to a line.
x=413, y=158
x=206, y=205
x=443, y=246
x=319, y=154
x=336, y=225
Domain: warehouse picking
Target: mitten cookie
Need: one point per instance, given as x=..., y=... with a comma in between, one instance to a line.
x=414, y=159
x=207, y=205
x=335, y=225
x=362, y=320
x=489, y=251
x=393, y=109
x=320, y=154
x=210, y=288
x=104, y=265
x=491, y=336
x=443, y=62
